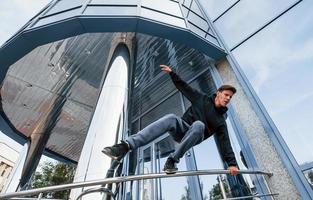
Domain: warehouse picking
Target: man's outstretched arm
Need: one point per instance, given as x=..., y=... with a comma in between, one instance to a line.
x=226, y=149
x=190, y=93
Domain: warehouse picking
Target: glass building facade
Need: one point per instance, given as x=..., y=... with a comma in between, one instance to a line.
x=55, y=98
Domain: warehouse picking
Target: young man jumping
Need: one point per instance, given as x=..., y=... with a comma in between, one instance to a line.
x=205, y=117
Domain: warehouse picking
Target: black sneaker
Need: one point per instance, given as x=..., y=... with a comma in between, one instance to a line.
x=170, y=166
x=117, y=151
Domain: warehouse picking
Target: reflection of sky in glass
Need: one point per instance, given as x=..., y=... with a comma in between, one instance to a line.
x=173, y=188
x=246, y=16
x=147, y=184
x=216, y=7
x=278, y=62
x=207, y=157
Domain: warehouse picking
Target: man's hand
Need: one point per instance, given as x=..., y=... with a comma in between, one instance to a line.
x=166, y=68
x=233, y=170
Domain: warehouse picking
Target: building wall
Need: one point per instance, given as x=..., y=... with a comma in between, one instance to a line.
x=8, y=157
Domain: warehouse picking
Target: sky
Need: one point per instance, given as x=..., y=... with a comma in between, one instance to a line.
x=15, y=13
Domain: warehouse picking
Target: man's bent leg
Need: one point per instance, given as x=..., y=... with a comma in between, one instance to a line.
x=192, y=137
x=169, y=123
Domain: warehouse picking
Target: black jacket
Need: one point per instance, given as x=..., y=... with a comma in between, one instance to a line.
x=203, y=109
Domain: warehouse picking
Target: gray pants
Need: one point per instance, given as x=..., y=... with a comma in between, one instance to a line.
x=187, y=136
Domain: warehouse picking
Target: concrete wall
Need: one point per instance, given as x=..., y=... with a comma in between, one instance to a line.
x=262, y=147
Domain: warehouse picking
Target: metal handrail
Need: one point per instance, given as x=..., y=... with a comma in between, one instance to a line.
x=253, y=196
x=32, y=198
x=125, y=179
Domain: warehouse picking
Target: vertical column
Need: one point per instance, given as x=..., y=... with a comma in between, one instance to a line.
x=93, y=164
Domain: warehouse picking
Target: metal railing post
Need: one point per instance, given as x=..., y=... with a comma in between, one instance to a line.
x=220, y=181
x=40, y=196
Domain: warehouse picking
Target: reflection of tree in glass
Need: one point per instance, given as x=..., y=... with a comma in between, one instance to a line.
x=187, y=196
x=54, y=174
x=216, y=192
x=310, y=175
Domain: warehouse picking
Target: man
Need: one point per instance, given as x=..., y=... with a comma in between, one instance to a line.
x=201, y=120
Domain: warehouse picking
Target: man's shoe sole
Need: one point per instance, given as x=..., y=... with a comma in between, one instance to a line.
x=108, y=153
x=173, y=171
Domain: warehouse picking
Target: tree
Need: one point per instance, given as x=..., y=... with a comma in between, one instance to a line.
x=187, y=195
x=216, y=192
x=54, y=174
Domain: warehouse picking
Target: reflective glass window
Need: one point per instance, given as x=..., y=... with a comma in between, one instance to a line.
x=204, y=83
x=195, y=8
x=216, y=7
x=167, y=6
x=158, y=16
x=147, y=185
x=205, y=161
x=278, y=63
x=198, y=21
x=166, y=185
x=197, y=30
x=111, y=10
x=171, y=105
x=64, y=5
x=151, y=85
x=212, y=39
x=72, y=67
x=185, y=11
x=115, y=2
x=234, y=186
x=57, y=17
x=247, y=16
x=187, y=3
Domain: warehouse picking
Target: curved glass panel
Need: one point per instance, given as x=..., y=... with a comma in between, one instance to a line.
x=65, y=5
x=166, y=6
x=114, y=2
x=246, y=17
x=216, y=7
x=151, y=85
x=111, y=10
x=158, y=16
